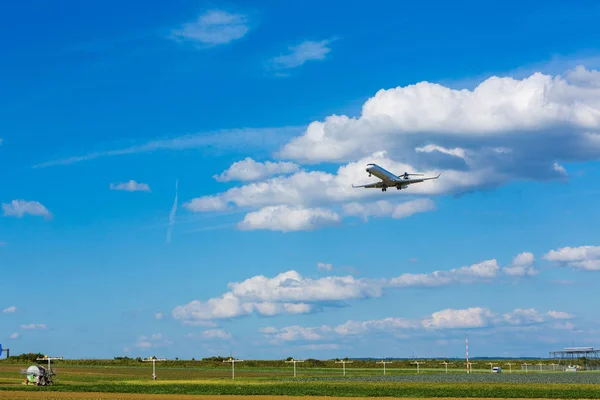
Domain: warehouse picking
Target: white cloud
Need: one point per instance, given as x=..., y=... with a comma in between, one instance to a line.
x=316, y=188
x=250, y=170
x=522, y=265
x=324, y=267
x=206, y=203
x=18, y=208
x=216, y=334
x=447, y=319
x=503, y=110
x=159, y=315
x=477, y=272
x=131, y=186
x=214, y=27
x=290, y=286
x=456, y=152
x=583, y=257
x=301, y=53
x=14, y=336
x=10, y=309
x=523, y=316
x=291, y=293
x=289, y=218
x=560, y=315
x=34, y=326
x=475, y=317
x=384, y=208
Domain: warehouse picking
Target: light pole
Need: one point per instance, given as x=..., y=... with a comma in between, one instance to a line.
x=491, y=366
x=509, y=367
x=417, y=362
x=49, y=359
x=233, y=361
x=294, y=361
x=154, y=360
x=384, y=362
x=446, y=364
x=344, y=362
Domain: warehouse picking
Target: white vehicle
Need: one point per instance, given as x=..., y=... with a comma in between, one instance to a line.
x=497, y=370
x=390, y=180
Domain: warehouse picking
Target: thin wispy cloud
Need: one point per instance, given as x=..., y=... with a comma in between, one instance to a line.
x=20, y=208
x=225, y=140
x=299, y=54
x=172, y=214
x=131, y=186
x=214, y=27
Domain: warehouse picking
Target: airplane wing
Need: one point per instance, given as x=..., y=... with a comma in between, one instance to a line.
x=409, y=181
x=377, y=185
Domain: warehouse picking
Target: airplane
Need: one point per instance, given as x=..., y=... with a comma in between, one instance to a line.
x=390, y=180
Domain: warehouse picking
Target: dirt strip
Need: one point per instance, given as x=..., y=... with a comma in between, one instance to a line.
x=6, y=395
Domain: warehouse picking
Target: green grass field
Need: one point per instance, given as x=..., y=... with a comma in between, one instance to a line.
x=278, y=381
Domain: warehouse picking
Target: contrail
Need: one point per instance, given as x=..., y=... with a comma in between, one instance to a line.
x=172, y=215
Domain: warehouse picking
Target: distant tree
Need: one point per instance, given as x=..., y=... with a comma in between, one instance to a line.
x=289, y=359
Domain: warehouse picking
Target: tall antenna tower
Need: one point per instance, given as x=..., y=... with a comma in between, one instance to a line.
x=467, y=353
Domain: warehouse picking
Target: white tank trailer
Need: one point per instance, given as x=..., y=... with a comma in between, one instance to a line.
x=37, y=375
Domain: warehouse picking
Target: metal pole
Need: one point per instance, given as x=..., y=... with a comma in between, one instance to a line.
x=294, y=368
x=233, y=369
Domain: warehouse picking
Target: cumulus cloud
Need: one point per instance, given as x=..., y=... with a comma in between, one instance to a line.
x=14, y=336
x=159, y=315
x=522, y=265
x=384, y=208
x=131, y=186
x=289, y=218
x=214, y=27
x=19, y=208
x=11, y=309
x=301, y=53
x=468, y=274
x=443, y=320
x=291, y=286
x=250, y=170
x=583, y=257
x=291, y=293
x=539, y=118
x=317, y=188
x=475, y=317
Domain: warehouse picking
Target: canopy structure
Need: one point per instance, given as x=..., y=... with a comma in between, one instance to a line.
x=588, y=356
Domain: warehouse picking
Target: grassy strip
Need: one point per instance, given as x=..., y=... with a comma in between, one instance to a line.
x=423, y=390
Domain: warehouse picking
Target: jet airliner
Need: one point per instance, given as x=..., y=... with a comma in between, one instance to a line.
x=390, y=180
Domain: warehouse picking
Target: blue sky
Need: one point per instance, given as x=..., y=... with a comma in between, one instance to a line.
x=177, y=178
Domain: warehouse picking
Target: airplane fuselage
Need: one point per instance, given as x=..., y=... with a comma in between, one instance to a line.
x=386, y=176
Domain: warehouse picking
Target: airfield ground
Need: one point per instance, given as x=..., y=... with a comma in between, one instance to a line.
x=87, y=382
